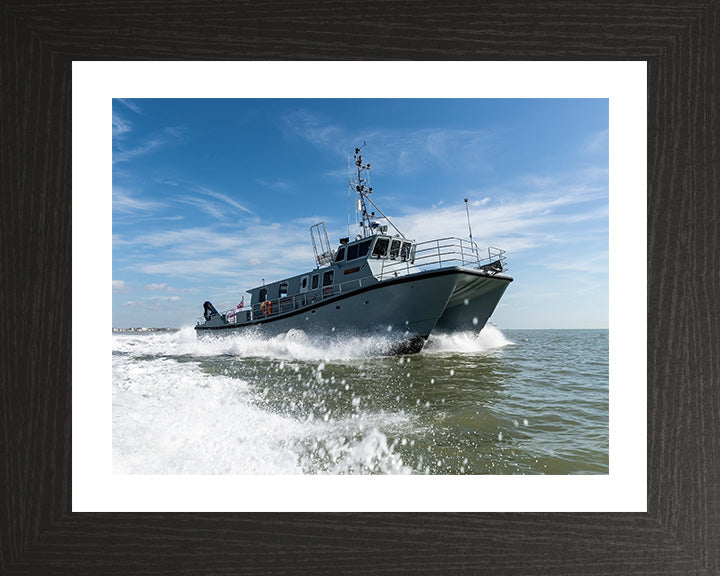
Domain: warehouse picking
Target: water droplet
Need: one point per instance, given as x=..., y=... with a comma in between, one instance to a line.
x=475, y=321
x=466, y=302
x=500, y=436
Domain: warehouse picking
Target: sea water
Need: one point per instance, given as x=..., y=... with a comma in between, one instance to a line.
x=498, y=402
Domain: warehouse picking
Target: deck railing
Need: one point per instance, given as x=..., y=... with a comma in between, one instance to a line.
x=431, y=255
x=444, y=253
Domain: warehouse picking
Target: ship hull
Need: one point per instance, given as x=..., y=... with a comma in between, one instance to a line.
x=404, y=311
x=474, y=299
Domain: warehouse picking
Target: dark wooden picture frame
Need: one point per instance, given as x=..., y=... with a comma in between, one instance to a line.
x=680, y=533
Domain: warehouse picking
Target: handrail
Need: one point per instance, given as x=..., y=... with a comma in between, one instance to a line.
x=425, y=256
x=446, y=252
x=298, y=301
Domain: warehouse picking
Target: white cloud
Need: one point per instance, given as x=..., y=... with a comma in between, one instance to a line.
x=223, y=210
x=537, y=219
x=313, y=128
x=156, y=303
x=208, y=207
x=242, y=256
x=120, y=126
x=156, y=287
x=127, y=203
x=590, y=263
x=167, y=136
x=119, y=286
x=123, y=155
x=598, y=143
x=393, y=150
x=129, y=104
x=226, y=199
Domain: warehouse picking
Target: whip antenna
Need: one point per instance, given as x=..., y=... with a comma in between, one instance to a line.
x=467, y=209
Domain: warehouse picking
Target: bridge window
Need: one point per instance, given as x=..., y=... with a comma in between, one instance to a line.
x=381, y=247
x=405, y=250
x=364, y=247
x=328, y=278
x=359, y=250
x=394, y=249
x=283, y=290
x=340, y=254
x=262, y=296
x=315, y=281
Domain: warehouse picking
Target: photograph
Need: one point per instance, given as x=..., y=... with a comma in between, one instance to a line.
x=208, y=158
x=354, y=286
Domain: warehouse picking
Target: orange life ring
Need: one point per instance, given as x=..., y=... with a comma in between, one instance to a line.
x=266, y=307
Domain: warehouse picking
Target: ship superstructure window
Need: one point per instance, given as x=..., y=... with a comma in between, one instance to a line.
x=315, y=281
x=364, y=246
x=262, y=296
x=328, y=278
x=283, y=290
x=405, y=250
x=394, y=249
x=340, y=254
x=358, y=250
x=381, y=247
x=304, y=284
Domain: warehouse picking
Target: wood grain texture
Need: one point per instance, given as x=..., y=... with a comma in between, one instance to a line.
x=680, y=534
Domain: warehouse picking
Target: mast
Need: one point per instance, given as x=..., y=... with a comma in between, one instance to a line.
x=360, y=185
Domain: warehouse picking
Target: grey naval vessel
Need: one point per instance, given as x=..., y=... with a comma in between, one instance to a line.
x=378, y=283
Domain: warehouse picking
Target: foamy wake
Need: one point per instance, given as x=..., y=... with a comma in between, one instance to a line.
x=296, y=345
x=170, y=417
x=490, y=338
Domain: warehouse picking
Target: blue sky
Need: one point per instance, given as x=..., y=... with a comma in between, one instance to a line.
x=212, y=196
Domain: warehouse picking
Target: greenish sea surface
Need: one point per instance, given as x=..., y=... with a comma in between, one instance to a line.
x=501, y=402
